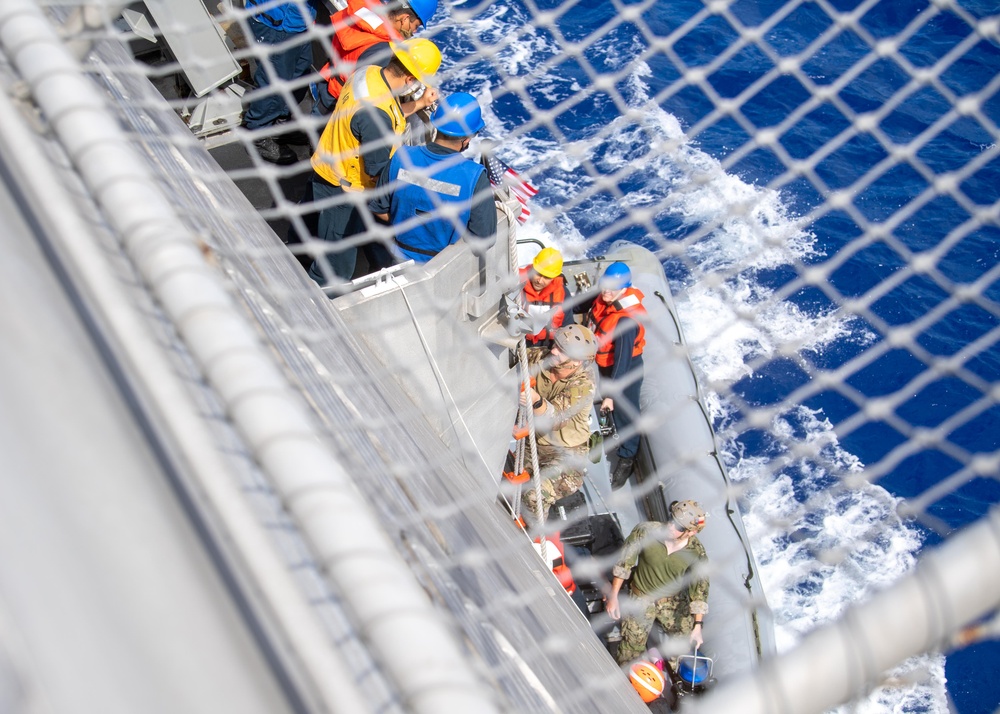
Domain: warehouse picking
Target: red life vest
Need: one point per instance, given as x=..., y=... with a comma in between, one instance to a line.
x=604, y=317
x=559, y=567
x=541, y=302
x=358, y=27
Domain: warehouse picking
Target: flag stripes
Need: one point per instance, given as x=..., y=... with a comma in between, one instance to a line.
x=501, y=175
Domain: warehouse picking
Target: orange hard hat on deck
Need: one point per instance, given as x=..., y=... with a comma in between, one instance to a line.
x=648, y=681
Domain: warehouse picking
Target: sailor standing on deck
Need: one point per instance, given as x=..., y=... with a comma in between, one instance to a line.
x=616, y=319
x=543, y=292
x=665, y=585
x=289, y=54
x=359, y=140
x=432, y=195
x=561, y=399
x=362, y=33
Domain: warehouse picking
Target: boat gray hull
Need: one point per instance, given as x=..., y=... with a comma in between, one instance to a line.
x=679, y=460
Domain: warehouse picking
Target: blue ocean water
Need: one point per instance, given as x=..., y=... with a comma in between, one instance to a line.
x=596, y=100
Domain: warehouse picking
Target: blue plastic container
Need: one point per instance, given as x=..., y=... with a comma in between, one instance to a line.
x=693, y=669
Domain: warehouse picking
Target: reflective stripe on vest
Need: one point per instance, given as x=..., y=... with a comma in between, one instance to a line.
x=426, y=182
x=338, y=157
x=541, y=303
x=431, y=199
x=373, y=20
x=356, y=28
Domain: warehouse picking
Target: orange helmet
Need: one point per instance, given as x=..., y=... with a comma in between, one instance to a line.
x=648, y=681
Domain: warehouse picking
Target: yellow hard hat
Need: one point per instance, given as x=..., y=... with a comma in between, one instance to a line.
x=420, y=57
x=548, y=262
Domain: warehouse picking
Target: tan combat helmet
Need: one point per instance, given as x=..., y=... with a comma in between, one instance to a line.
x=688, y=515
x=576, y=342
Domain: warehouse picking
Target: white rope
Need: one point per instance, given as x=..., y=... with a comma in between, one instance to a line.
x=526, y=412
x=529, y=412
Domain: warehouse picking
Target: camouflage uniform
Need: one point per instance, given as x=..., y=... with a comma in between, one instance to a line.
x=562, y=475
x=656, y=573
x=563, y=434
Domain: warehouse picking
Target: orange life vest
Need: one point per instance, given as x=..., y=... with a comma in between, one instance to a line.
x=541, y=302
x=604, y=318
x=357, y=27
x=559, y=567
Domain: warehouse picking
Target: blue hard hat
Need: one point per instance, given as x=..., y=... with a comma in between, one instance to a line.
x=616, y=277
x=423, y=9
x=458, y=115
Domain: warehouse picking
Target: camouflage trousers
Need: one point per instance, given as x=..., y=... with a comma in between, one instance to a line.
x=642, y=613
x=562, y=475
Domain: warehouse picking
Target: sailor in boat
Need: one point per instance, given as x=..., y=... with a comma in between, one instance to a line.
x=616, y=318
x=363, y=133
x=432, y=195
x=561, y=401
x=362, y=33
x=542, y=294
x=666, y=567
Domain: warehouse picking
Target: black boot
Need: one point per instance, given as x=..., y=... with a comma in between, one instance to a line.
x=293, y=136
x=622, y=471
x=271, y=150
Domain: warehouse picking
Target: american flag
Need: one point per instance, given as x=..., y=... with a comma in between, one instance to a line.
x=501, y=175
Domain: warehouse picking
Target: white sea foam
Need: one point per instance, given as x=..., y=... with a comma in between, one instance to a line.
x=821, y=546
